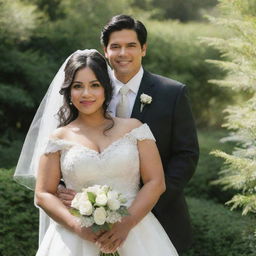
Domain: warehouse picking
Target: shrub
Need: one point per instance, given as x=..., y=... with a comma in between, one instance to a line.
x=218, y=231
x=19, y=225
x=9, y=153
x=208, y=167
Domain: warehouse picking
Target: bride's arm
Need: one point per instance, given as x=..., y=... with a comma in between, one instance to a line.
x=45, y=194
x=154, y=185
x=152, y=175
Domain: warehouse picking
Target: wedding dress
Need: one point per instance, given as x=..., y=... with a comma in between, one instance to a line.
x=118, y=167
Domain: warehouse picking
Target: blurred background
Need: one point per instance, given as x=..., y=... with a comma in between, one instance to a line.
x=37, y=36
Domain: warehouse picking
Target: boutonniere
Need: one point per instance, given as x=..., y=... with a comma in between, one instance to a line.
x=144, y=99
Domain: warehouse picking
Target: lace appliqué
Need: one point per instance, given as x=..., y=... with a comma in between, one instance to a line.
x=117, y=165
x=54, y=145
x=143, y=133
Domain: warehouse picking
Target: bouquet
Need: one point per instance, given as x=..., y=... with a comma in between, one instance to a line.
x=99, y=207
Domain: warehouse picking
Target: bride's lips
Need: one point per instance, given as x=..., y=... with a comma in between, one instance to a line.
x=87, y=102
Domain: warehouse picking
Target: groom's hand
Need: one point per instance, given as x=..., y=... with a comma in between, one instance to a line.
x=65, y=195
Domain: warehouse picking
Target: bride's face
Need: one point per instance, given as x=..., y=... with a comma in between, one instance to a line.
x=87, y=94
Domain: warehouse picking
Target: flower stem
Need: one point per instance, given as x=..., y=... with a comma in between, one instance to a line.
x=109, y=254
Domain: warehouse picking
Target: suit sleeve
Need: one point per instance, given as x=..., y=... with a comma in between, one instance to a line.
x=184, y=147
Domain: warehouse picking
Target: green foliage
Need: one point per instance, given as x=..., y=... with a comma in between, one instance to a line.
x=19, y=218
x=175, y=9
x=200, y=185
x=175, y=51
x=52, y=8
x=218, y=231
x=23, y=83
x=91, y=197
x=21, y=71
x=80, y=27
x=75, y=212
x=9, y=151
x=17, y=20
x=239, y=171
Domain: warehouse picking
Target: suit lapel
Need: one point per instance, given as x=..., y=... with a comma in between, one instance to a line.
x=146, y=86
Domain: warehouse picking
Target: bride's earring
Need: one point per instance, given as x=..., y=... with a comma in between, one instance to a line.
x=70, y=103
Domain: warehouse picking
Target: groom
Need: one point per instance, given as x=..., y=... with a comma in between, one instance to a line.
x=165, y=108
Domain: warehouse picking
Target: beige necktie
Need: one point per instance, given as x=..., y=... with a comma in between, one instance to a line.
x=122, y=108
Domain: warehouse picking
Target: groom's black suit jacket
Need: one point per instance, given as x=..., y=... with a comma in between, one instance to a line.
x=170, y=119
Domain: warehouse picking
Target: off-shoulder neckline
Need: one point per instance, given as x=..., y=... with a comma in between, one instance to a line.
x=73, y=143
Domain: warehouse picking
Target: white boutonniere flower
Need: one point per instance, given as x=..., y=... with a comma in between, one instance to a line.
x=144, y=99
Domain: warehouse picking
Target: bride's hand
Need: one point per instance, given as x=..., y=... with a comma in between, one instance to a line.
x=88, y=234
x=65, y=195
x=111, y=240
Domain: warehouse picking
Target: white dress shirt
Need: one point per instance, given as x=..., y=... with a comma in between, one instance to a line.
x=133, y=85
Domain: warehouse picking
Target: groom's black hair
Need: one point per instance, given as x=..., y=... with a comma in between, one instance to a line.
x=121, y=22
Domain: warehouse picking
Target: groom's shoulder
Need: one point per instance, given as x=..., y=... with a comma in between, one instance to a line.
x=165, y=82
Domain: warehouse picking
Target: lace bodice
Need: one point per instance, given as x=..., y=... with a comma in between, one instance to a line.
x=117, y=165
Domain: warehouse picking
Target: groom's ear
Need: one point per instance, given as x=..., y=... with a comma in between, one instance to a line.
x=105, y=52
x=144, y=49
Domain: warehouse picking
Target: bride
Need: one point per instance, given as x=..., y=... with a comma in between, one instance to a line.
x=90, y=147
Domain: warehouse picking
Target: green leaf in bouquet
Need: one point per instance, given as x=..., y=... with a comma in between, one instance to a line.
x=105, y=227
x=123, y=211
x=75, y=212
x=91, y=197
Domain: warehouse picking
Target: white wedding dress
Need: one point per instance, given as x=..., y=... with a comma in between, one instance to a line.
x=118, y=167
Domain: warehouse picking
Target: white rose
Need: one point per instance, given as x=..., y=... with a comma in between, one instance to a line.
x=84, y=196
x=76, y=201
x=94, y=189
x=85, y=207
x=146, y=99
x=101, y=199
x=112, y=195
x=99, y=216
x=104, y=189
x=113, y=204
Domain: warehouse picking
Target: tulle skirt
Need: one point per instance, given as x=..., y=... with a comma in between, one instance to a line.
x=147, y=238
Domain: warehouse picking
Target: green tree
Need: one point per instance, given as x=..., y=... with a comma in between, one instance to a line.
x=51, y=8
x=20, y=70
x=239, y=172
x=176, y=9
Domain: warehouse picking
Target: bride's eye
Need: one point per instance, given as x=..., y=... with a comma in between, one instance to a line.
x=76, y=86
x=96, y=85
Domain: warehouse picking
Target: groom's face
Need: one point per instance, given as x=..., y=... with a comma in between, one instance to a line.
x=124, y=53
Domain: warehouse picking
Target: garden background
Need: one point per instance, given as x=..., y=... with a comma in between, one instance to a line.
x=214, y=56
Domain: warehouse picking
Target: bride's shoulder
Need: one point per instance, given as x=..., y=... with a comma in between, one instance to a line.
x=59, y=133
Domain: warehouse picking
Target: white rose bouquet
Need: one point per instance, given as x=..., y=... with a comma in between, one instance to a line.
x=99, y=207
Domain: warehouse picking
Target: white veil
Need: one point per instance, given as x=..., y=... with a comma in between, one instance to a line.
x=43, y=124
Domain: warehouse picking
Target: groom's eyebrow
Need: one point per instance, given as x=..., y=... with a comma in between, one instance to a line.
x=129, y=44
x=132, y=43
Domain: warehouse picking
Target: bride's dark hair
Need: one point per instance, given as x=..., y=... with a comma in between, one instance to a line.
x=97, y=63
